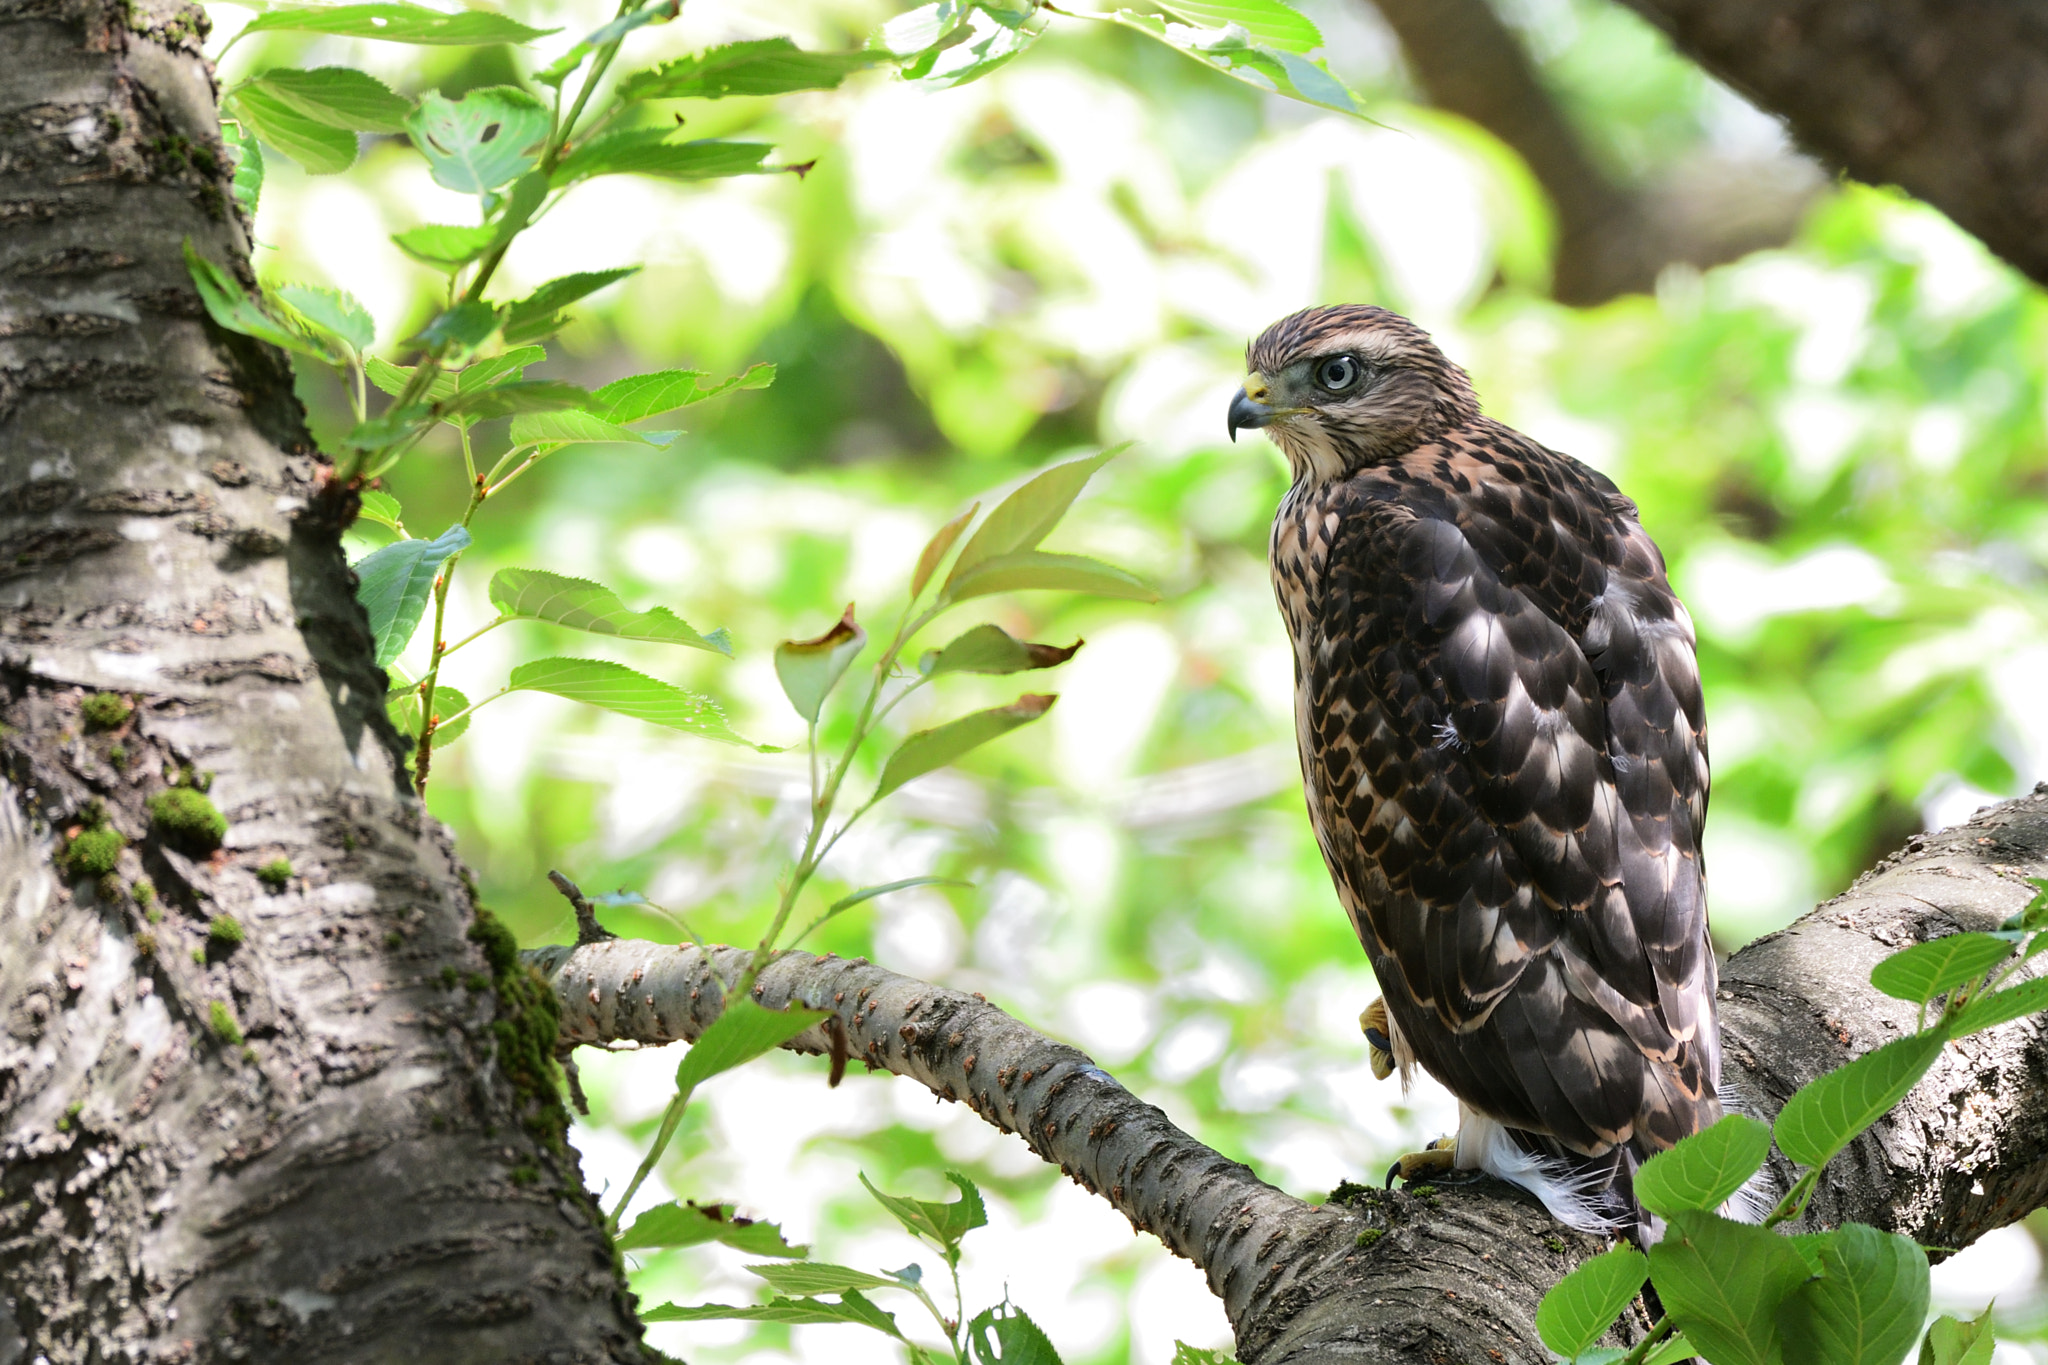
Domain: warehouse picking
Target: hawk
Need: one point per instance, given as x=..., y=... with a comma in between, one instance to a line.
x=1505, y=756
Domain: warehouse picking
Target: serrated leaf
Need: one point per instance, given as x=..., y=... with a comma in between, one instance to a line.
x=231, y=308
x=1951, y=1341
x=498, y=368
x=1868, y=1304
x=567, y=428
x=852, y=1307
x=488, y=138
x=393, y=584
x=615, y=687
x=1580, y=1308
x=247, y=154
x=741, y=1033
x=558, y=70
x=1030, y=513
x=661, y=153
x=1236, y=54
x=935, y=549
x=397, y=23
x=444, y=246
x=645, y=395
x=1032, y=570
x=392, y=379
x=514, y=397
x=935, y=748
x=810, y=669
x=943, y=1223
x=579, y=604
x=338, y=96
x=535, y=315
x=1722, y=1282
x=1925, y=970
x=383, y=509
x=813, y=1277
x=1006, y=1335
x=1703, y=1170
x=991, y=649
x=464, y=327
x=2001, y=1007
x=685, y=1225
x=1675, y=1350
x=1828, y=1112
x=319, y=147
x=403, y=705
x=333, y=311
x=1184, y=1354
x=1269, y=22
x=766, y=66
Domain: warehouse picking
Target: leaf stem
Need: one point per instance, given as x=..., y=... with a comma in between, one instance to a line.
x=483, y=629
x=423, y=751
x=1641, y=1350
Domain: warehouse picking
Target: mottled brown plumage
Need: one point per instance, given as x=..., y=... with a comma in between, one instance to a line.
x=1504, y=751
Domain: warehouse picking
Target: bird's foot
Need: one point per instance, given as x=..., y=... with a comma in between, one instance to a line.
x=1379, y=1043
x=1434, y=1160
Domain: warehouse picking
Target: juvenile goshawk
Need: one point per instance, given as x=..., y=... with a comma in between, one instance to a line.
x=1505, y=756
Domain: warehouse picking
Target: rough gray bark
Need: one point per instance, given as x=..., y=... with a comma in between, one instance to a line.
x=1452, y=1273
x=1613, y=238
x=1947, y=99
x=373, y=1169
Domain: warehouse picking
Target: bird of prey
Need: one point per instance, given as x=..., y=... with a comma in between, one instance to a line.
x=1505, y=756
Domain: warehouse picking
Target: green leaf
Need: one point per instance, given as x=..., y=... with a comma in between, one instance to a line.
x=1580, y=1308
x=1267, y=21
x=1722, y=1282
x=488, y=138
x=1030, y=513
x=852, y=1307
x=936, y=747
x=1867, y=1306
x=645, y=395
x=1027, y=570
x=464, y=327
x=1675, y=1350
x=397, y=23
x=1951, y=1341
x=536, y=314
x=393, y=583
x=741, y=1033
x=558, y=70
x=510, y=365
x=1829, y=1111
x=403, y=705
x=1017, y=1339
x=334, y=312
x=935, y=549
x=382, y=509
x=766, y=66
x=392, y=380
x=567, y=428
x=942, y=1223
x=444, y=246
x=338, y=96
x=1184, y=1354
x=517, y=396
x=247, y=154
x=816, y=1278
x=810, y=669
x=228, y=306
x=537, y=595
x=1237, y=55
x=318, y=146
x=614, y=687
x=1925, y=970
x=660, y=152
x=686, y=1225
x=2001, y=1007
x=991, y=649
x=868, y=893
x=1704, y=1169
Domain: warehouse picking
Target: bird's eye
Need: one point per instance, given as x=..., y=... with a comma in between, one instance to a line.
x=1339, y=373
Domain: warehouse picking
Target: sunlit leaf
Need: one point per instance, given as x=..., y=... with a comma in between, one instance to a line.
x=318, y=146
x=536, y=314
x=565, y=428
x=517, y=396
x=486, y=139
x=661, y=153
x=231, y=308
x=393, y=584
x=333, y=311
x=247, y=154
x=1005, y=1335
x=537, y=595
x=615, y=687
x=813, y=1277
x=443, y=246
x=1030, y=513
x=991, y=649
x=1868, y=1304
x=1828, y=1112
x=943, y=1223
x=1267, y=21
x=464, y=327
x=396, y=23
x=657, y=13
x=1925, y=970
x=1027, y=570
x=742, y=1032
x=810, y=669
x=403, y=704
x=687, y=1225
x=645, y=395
x=1952, y=1341
x=1238, y=55
x=852, y=1307
x=382, y=509
x=935, y=748
x=2001, y=1007
x=1580, y=1308
x=1703, y=1170
x=765, y=66
x=934, y=551
x=338, y=96
x=392, y=379
x=1722, y=1282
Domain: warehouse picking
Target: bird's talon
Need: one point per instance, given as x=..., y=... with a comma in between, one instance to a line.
x=1379, y=1043
x=1433, y=1160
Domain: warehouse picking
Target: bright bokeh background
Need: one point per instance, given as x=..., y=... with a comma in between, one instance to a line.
x=1840, y=446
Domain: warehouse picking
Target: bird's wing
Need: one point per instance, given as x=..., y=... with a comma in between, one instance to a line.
x=1536, y=895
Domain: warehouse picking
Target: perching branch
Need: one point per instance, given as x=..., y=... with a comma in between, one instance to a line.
x=1456, y=1273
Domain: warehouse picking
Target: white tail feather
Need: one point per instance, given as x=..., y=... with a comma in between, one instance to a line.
x=1578, y=1199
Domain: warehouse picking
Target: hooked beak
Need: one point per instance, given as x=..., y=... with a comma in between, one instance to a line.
x=1248, y=408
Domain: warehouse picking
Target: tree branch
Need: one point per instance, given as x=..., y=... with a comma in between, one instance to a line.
x=1455, y=1272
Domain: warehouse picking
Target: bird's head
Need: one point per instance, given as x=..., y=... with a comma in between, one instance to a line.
x=1347, y=386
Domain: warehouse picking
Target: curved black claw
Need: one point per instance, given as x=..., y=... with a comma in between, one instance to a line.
x=1393, y=1171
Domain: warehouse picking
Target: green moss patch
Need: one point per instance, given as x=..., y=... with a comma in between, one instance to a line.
x=528, y=1022
x=93, y=852
x=105, y=711
x=187, y=819
x=221, y=1020
x=275, y=874
x=226, y=930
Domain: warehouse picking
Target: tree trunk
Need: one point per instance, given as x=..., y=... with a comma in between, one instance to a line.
x=307, y=1112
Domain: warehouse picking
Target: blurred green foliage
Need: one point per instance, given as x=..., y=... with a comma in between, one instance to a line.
x=1839, y=445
